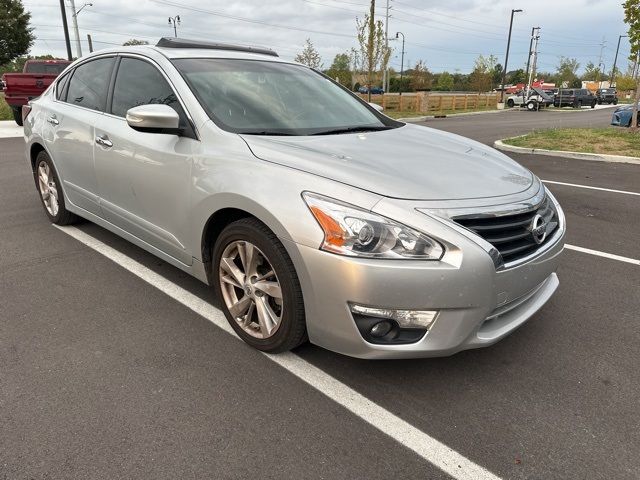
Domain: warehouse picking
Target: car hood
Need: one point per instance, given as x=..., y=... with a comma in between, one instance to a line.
x=409, y=162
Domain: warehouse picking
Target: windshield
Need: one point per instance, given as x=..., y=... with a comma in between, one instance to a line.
x=271, y=98
x=46, y=68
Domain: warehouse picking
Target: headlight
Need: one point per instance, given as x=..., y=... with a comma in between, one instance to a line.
x=351, y=231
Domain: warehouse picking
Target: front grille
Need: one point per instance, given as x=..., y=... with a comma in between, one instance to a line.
x=513, y=235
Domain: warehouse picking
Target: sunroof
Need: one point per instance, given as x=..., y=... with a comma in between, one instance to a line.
x=169, y=42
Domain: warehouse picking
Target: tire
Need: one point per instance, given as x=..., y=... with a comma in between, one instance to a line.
x=17, y=115
x=532, y=106
x=593, y=104
x=290, y=330
x=599, y=101
x=615, y=102
x=510, y=103
x=59, y=215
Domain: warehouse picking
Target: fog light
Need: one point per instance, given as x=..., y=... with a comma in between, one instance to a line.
x=380, y=329
x=404, y=318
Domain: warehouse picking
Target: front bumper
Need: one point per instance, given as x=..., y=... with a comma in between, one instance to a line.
x=478, y=305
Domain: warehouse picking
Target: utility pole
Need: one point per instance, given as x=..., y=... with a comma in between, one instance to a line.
x=90, y=42
x=506, y=58
x=533, y=37
x=65, y=27
x=74, y=19
x=370, y=48
x=534, y=61
x=385, y=73
x=615, y=61
x=600, y=64
x=402, y=64
x=175, y=21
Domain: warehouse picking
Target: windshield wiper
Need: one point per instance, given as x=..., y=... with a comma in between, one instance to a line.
x=336, y=131
x=266, y=132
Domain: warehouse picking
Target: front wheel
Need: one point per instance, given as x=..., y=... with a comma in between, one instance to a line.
x=593, y=104
x=510, y=103
x=17, y=115
x=259, y=287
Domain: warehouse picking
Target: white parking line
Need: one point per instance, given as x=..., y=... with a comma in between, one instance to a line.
x=427, y=447
x=592, y=188
x=603, y=254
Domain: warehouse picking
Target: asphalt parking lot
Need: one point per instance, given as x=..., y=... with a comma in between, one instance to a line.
x=111, y=366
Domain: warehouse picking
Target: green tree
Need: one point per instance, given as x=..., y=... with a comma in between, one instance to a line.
x=632, y=18
x=340, y=69
x=567, y=70
x=591, y=72
x=135, y=41
x=445, y=82
x=480, y=78
x=421, y=78
x=516, y=76
x=16, y=36
x=309, y=56
x=371, y=55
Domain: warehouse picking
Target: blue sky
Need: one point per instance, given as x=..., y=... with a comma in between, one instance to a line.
x=447, y=35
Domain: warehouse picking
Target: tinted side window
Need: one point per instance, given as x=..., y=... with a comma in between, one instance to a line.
x=140, y=83
x=61, y=85
x=89, y=84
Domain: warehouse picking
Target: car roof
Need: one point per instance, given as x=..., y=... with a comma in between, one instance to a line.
x=215, y=51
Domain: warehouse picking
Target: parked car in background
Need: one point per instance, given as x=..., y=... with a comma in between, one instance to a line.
x=607, y=95
x=309, y=213
x=36, y=76
x=574, y=97
x=374, y=90
x=622, y=116
x=535, y=100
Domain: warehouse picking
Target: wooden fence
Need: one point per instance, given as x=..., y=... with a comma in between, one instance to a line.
x=433, y=103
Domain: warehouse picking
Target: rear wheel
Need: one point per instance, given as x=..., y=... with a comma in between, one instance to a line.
x=532, y=105
x=50, y=191
x=17, y=115
x=510, y=103
x=593, y=104
x=259, y=287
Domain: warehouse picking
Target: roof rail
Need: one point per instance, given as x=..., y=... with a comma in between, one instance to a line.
x=170, y=42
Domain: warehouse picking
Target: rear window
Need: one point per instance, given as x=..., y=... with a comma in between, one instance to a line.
x=46, y=68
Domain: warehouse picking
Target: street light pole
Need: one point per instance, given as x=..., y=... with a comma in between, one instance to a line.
x=615, y=61
x=506, y=58
x=402, y=64
x=175, y=21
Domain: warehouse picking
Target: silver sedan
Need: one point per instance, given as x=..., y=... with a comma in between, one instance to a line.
x=311, y=214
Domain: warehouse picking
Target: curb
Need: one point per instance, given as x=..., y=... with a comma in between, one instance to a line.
x=424, y=118
x=500, y=145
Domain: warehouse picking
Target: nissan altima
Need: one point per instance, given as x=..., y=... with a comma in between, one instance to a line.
x=312, y=215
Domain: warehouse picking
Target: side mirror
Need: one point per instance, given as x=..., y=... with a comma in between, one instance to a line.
x=154, y=119
x=379, y=108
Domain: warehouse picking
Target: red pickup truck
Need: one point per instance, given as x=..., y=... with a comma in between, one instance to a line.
x=36, y=76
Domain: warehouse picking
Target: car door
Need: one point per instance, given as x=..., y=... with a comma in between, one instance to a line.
x=71, y=120
x=144, y=178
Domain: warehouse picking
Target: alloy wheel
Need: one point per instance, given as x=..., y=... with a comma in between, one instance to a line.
x=48, y=188
x=251, y=289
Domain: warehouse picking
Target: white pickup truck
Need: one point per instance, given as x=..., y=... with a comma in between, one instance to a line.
x=536, y=99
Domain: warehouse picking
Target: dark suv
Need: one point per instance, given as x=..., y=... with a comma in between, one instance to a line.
x=607, y=95
x=574, y=97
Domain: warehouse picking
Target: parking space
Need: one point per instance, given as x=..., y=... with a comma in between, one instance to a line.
x=104, y=375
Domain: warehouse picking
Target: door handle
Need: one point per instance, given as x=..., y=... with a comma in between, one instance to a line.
x=53, y=120
x=104, y=141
